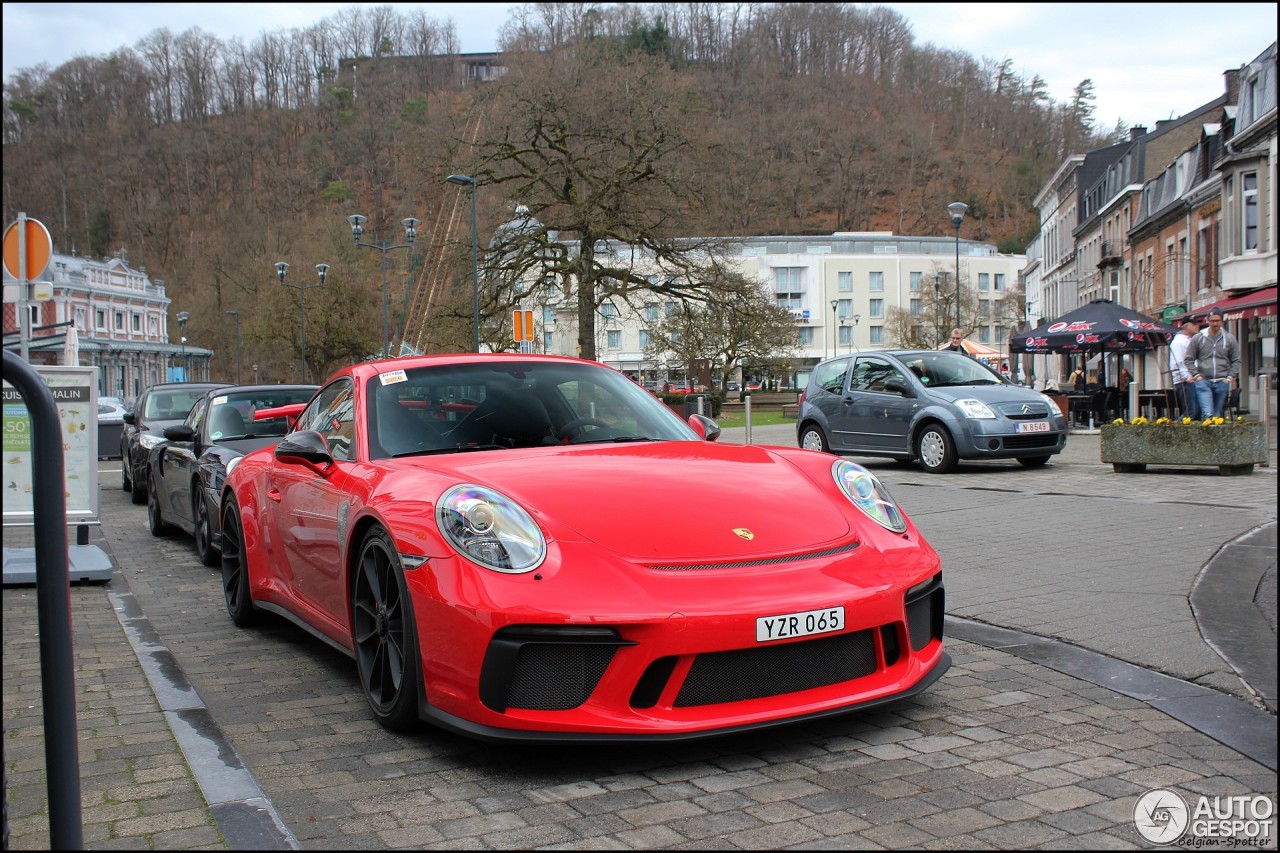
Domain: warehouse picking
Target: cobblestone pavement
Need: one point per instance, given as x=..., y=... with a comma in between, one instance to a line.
x=1002, y=753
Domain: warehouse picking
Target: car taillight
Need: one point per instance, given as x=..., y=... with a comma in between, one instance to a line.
x=800, y=399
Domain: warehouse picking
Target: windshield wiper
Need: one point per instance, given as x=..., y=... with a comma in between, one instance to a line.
x=461, y=448
x=617, y=439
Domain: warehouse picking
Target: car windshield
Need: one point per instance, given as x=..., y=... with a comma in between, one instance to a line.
x=172, y=405
x=950, y=369
x=466, y=407
x=231, y=414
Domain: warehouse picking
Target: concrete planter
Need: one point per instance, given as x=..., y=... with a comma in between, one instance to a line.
x=1233, y=448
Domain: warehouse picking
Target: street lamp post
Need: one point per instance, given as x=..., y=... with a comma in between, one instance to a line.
x=322, y=269
x=853, y=333
x=835, y=343
x=255, y=374
x=957, y=209
x=236, y=314
x=411, y=231
x=937, y=310
x=470, y=183
x=183, y=317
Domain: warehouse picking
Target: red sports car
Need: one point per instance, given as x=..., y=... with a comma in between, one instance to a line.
x=478, y=533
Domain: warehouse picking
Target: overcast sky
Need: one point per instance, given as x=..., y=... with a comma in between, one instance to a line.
x=1147, y=62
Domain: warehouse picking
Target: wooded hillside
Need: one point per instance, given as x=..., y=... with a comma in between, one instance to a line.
x=207, y=161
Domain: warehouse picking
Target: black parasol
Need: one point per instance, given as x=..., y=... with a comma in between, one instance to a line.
x=1102, y=326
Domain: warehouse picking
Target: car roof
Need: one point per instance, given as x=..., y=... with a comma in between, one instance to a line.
x=367, y=369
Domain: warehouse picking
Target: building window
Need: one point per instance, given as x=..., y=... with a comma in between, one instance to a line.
x=1249, y=210
x=119, y=321
x=984, y=281
x=877, y=282
x=609, y=311
x=806, y=336
x=999, y=282
x=984, y=334
x=877, y=308
x=548, y=315
x=877, y=334
x=651, y=312
x=917, y=279
x=548, y=341
x=789, y=287
x=613, y=339
x=80, y=318
x=644, y=339
x=33, y=315
x=669, y=309
x=137, y=322
x=153, y=326
x=844, y=282
x=915, y=307
x=100, y=320
x=845, y=309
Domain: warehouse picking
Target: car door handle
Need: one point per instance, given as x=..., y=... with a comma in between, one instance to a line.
x=274, y=494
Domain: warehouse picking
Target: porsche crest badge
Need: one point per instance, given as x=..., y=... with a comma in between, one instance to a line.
x=744, y=533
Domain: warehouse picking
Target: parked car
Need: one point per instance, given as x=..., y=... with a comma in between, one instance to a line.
x=934, y=407
x=111, y=410
x=158, y=406
x=187, y=469
x=476, y=531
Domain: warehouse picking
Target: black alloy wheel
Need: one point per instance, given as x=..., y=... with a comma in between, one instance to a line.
x=203, y=529
x=235, y=568
x=137, y=491
x=155, y=521
x=383, y=634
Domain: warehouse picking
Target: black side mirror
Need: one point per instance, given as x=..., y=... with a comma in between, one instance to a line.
x=897, y=386
x=181, y=432
x=705, y=427
x=129, y=418
x=307, y=447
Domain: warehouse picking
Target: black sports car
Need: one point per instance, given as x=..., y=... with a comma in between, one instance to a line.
x=159, y=406
x=186, y=470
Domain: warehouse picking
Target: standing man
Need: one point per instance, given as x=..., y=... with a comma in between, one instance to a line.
x=1183, y=387
x=1213, y=358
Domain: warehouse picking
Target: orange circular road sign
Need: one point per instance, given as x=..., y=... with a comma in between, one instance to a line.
x=39, y=246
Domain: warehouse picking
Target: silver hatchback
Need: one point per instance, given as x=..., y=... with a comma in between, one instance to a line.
x=934, y=407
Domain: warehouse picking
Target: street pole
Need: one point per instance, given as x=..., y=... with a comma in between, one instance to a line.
x=470, y=183
x=322, y=270
x=835, y=323
x=411, y=231
x=957, y=209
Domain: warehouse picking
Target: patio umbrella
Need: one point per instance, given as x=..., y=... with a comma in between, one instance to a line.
x=1102, y=326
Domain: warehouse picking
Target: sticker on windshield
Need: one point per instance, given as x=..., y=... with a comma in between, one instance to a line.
x=392, y=376
x=218, y=401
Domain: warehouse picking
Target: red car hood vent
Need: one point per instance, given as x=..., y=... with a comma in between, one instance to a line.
x=681, y=503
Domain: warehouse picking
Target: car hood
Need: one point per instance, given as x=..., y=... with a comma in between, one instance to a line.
x=986, y=393
x=674, y=500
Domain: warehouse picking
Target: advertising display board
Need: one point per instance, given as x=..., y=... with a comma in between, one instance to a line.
x=75, y=393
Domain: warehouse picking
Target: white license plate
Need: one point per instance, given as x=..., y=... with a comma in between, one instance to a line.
x=804, y=624
x=1033, y=426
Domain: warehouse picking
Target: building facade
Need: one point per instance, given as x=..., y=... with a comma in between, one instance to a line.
x=109, y=315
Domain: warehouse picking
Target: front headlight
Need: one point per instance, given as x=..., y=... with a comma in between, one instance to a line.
x=232, y=463
x=490, y=529
x=868, y=494
x=974, y=408
x=148, y=441
x=1054, y=411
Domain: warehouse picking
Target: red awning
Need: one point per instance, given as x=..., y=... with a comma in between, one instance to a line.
x=1246, y=306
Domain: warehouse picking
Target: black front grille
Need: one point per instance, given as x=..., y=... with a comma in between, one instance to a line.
x=1023, y=411
x=556, y=676
x=925, y=612
x=754, y=673
x=1031, y=439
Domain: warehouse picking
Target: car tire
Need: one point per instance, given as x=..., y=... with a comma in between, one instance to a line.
x=202, y=527
x=1033, y=461
x=137, y=491
x=383, y=633
x=812, y=438
x=125, y=483
x=235, y=568
x=935, y=450
x=155, y=520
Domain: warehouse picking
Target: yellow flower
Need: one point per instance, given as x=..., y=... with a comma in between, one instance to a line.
x=1118, y=422
x=1207, y=422
x=1219, y=421
x=1161, y=421
x=1186, y=421
x=1240, y=419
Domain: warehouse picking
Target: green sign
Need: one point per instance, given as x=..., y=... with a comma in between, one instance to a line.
x=1173, y=311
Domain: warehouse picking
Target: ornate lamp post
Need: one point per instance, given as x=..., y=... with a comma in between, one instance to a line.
x=183, y=317
x=957, y=209
x=236, y=314
x=322, y=269
x=853, y=332
x=470, y=183
x=411, y=231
